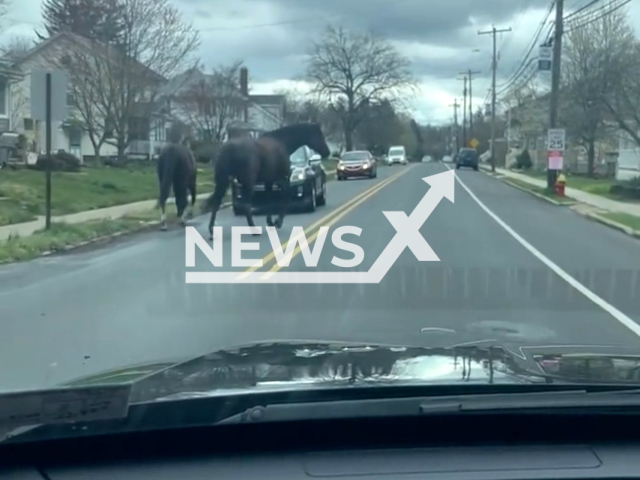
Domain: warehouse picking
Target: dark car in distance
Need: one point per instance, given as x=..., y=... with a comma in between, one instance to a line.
x=467, y=157
x=307, y=189
x=357, y=163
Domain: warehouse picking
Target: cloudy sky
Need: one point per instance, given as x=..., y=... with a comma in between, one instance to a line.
x=441, y=38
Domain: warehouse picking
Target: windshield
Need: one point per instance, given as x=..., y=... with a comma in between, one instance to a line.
x=299, y=158
x=353, y=156
x=191, y=205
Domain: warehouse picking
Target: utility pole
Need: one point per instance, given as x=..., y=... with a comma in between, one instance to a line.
x=455, y=106
x=555, y=81
x=471, y=74
x=464, y=113
x=494, y=64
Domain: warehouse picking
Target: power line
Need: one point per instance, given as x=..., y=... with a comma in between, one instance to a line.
x=518, y=71
x=599, y=17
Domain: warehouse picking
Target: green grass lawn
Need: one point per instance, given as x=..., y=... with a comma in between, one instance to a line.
x=22, y=192
x=629, y=220
x=62, y=235
x=597, y=186
x=541, y=191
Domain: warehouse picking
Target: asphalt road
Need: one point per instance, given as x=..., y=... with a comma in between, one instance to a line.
x=513, y=269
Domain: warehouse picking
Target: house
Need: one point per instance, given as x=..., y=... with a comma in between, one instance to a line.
x=9, y=77
x=529, y=122
x=217, y=112
x=147, y=128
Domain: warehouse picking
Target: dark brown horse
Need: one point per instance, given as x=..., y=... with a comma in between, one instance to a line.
x=263, y=160
x=177, y=169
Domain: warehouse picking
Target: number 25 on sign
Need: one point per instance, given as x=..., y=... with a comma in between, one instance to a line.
x=556, y=139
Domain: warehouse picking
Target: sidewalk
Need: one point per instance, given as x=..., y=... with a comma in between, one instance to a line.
x=113, y=213
x=596, y=201
x=118, y=211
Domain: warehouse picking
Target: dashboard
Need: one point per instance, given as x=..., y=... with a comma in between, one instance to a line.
x=463, y=448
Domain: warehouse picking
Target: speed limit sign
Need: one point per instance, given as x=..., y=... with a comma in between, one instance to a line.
x=556, y=139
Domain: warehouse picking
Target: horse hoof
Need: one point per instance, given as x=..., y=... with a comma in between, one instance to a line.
x=163, y=227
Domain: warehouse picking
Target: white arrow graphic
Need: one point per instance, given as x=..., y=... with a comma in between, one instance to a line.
x=408, y=228
x=407, y=235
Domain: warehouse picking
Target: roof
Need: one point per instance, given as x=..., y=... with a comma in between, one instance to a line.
x=268, y=99
x=78, y=40
x=9, y=71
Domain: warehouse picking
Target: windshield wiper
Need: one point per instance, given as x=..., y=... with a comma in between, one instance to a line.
x=538, y=402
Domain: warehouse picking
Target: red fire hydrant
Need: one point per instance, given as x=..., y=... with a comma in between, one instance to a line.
x=560, y=184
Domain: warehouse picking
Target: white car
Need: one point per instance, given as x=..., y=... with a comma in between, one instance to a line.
x=447, y=159
x=397, y=154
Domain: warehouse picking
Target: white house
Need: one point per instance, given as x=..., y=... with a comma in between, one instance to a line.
x=148, y=135
x=628, y=164
x=258, y=113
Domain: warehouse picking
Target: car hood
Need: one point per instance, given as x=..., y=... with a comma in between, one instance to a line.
x=278, y=366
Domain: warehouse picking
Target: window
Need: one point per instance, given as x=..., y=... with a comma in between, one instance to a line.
x=75, y=137
x=3, y=96
x=355, y=156
x=27, y=124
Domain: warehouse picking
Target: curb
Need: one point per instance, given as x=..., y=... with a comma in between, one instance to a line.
x=67, y=248
x=609, y=223
x=505, y=179
x=542, y=197
x=112, y=236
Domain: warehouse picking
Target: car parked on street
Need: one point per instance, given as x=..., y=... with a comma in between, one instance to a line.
x=307, y=188
x=357, y=163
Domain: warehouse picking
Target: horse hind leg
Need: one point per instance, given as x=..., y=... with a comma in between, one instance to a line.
x=180, y=190
x=283, y=202
x=192, y=190
x=247, y=202
x=215, y=200
x=163, y=218
x=268, y=189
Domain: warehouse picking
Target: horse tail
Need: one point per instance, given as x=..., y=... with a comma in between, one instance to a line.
x=166, y=170
x=221, y=177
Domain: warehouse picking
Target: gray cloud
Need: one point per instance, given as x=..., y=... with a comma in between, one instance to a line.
x=271, y=47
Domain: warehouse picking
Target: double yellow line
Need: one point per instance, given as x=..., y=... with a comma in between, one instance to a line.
x=328, y=220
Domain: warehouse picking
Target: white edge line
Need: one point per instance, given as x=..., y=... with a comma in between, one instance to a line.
x=613, y=311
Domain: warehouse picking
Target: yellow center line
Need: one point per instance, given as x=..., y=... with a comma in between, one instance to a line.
x=270, y=256
x=352, y=206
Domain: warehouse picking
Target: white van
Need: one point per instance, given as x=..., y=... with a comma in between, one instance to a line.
x=397, y=154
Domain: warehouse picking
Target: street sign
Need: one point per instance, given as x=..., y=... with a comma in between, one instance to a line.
x=473, y=143
x=556, y=139
x=555, y=160
x=545, y=57
x=58, y=95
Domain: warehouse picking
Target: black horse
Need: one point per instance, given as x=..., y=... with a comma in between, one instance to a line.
x=177, y=169
x=263, y=160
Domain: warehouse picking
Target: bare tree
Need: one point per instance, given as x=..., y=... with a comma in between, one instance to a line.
x=622, y=97
x=155, y=44
x=16, y=48
x=90, y=89
x=587, y=73
x=354, y=70
x=210, y=103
